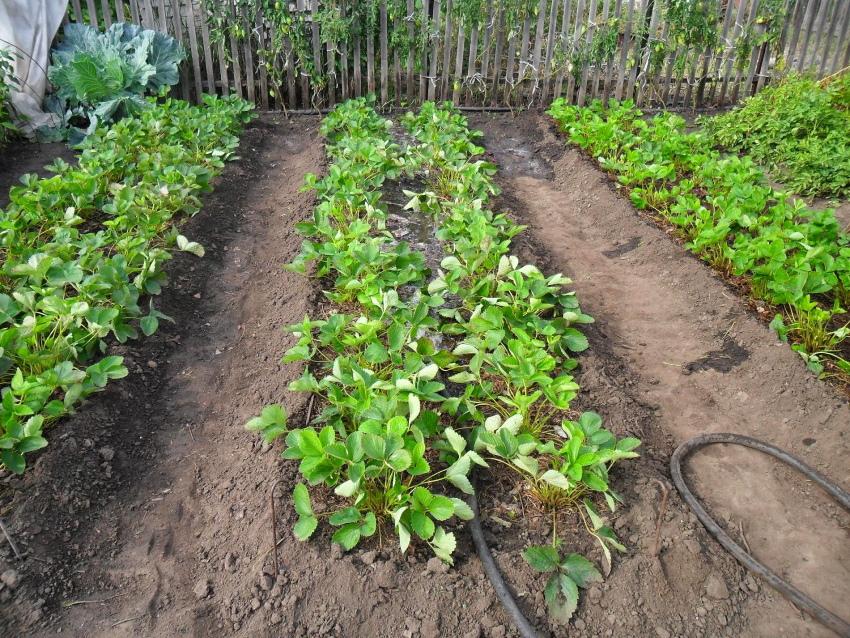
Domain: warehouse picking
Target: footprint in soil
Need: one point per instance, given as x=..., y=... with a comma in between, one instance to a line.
x=730, y=355
x=622, y=249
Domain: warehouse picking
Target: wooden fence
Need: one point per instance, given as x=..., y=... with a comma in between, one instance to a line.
x=521, y=53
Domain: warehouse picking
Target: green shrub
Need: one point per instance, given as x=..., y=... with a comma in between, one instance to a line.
x=797, y=129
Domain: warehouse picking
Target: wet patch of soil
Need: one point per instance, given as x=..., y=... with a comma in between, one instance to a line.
x=622, y=248
x=725, y=359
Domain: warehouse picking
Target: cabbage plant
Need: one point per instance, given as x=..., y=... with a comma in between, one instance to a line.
x=102, y=76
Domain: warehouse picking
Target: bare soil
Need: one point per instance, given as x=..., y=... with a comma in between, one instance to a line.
x=149, y=513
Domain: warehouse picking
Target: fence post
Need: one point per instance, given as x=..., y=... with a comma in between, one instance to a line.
x=385, y=94
x=432, y=80
x=497, y=55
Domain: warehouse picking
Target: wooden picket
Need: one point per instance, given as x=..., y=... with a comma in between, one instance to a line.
x=486, y=61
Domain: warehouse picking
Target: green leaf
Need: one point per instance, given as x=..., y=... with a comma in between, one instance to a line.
x=581, y=570
x=414, y=407
x=441, y=507
x=403, y=537
x=31, y=444
x=464, y=349
x=428, y=372
x=107, y=368
x=271, y=423
x=457, y=442
x=345, y=489
x=301, y=498
x=527, y=463
x=561, y=596
x=461, y=482
x=512, y=424
x=189, y=246
x=13, y=461
x=373, y=446
x=347, y=536
x=444, y=545
x=462, y=510
x=575, y=340
x=421, y=524
x=400, y=460
x=554, y=477
x=542, y=558
x=628, y=444
x=462, y=377
x=376, y=353
x=594, y=482
x=149, y=325
x=370, y=524
x=595, y=520
x=345, y=516
x=304, y=527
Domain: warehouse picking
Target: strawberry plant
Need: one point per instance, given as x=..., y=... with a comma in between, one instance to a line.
x=84, y=252
x=792, y=257
x=430, y=373
x=568, y=574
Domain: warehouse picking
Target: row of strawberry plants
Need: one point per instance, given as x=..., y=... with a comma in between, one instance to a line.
x=431, y=374
x=794, y=258
x=85, y=248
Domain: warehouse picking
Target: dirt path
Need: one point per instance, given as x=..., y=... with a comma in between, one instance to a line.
x=700, y=358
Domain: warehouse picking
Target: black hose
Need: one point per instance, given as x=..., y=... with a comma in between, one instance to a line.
x=503, y=593
x=801, y=600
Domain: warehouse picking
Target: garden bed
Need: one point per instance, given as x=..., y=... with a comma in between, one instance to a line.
x=155, y=501
x=18, y=157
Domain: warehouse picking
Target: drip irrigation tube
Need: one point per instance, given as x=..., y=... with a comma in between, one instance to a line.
x=801, y=600
x=503, y=593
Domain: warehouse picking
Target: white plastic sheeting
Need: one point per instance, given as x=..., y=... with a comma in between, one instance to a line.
x=27, y=28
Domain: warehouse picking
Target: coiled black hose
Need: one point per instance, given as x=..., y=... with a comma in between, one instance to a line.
x=801, y=600
x=503, y=593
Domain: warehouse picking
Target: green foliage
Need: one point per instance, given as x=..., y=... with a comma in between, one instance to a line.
x=798, y=130
x=602, y=46
x=7, y=83
x=102, y=76
x=568, y=574
x=693, y=23
x=765, y=28
x=83, y=248
x=289, y=32
x=792, y=256
x=432, y=372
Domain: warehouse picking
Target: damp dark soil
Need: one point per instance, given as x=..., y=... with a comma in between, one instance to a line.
x=149, y=513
